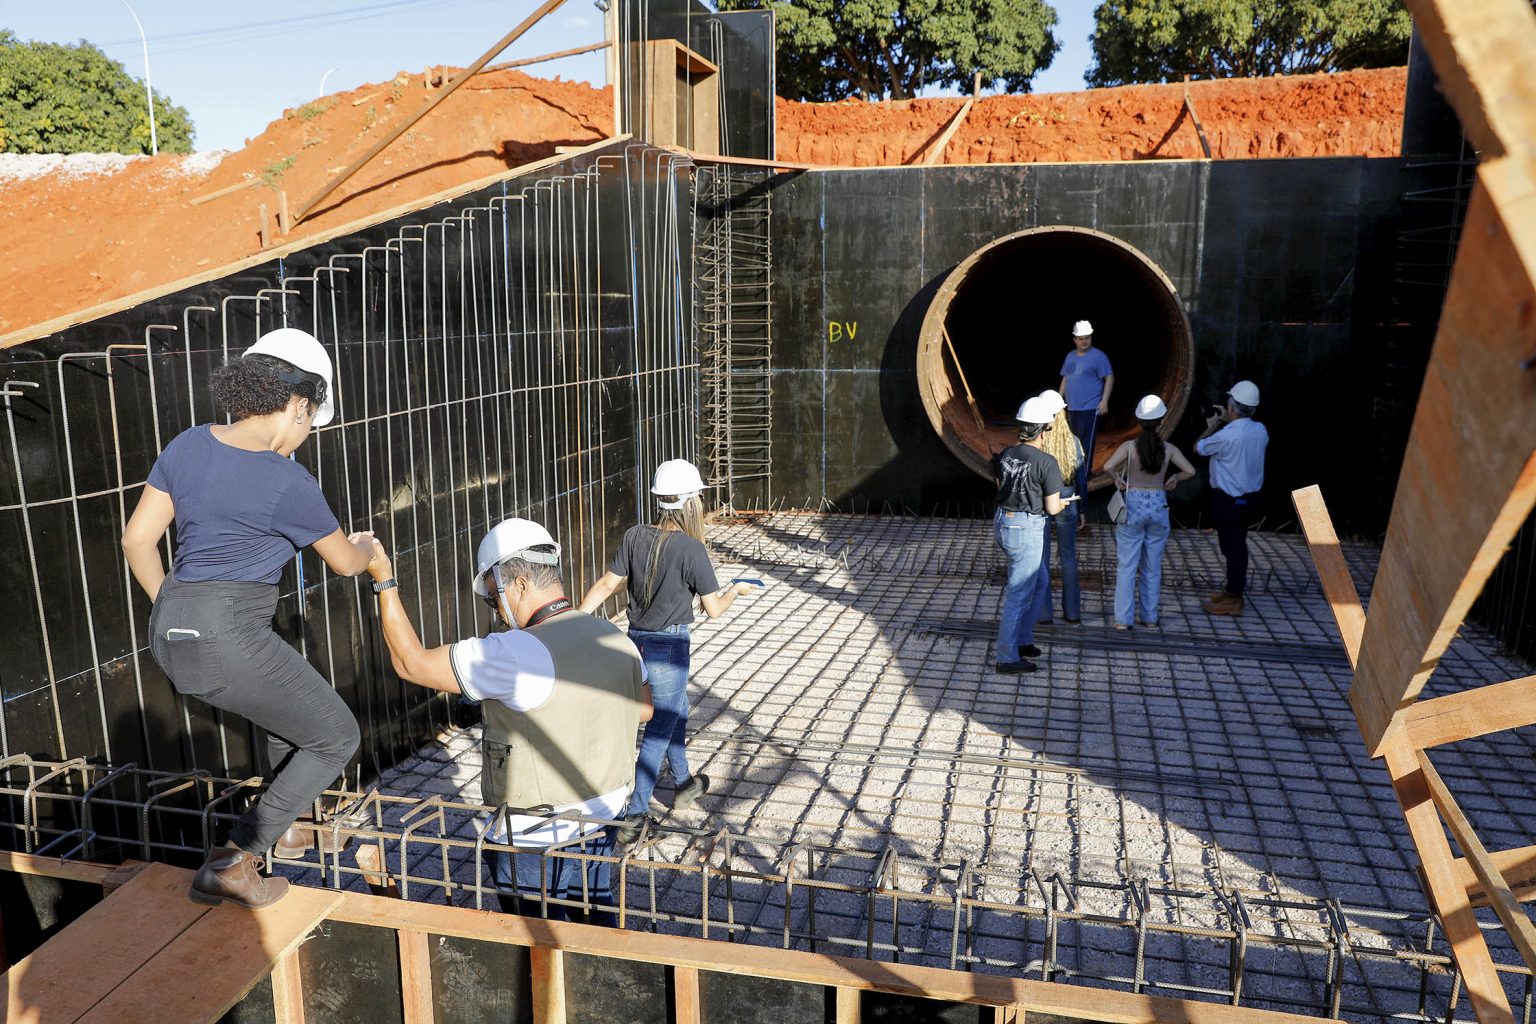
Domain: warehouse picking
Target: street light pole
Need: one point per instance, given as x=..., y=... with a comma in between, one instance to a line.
x=149, y=91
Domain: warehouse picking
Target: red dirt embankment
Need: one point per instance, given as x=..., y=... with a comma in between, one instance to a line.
x=1353, y=113
x=73, y=241
x=78, y=237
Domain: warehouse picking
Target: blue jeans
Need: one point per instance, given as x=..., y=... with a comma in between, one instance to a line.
x=665, y=653
x=1064, y=525
x=1085, y=424
x=1139, y=543
x=1021, y=535
x=563, y=880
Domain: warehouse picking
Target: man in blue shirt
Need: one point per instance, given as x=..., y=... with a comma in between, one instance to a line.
x=1235, y=444
x=1086, y=383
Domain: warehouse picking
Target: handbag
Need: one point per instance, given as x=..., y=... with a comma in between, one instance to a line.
x=1117, y=500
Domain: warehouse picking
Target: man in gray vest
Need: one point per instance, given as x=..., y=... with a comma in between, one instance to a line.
x=562, y=696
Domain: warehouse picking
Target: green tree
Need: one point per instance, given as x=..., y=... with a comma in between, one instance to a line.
x=56, y=98
x=879, y=49
x=1164, y=40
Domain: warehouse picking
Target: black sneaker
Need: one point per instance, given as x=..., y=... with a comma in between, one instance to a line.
x=630, y=830
x=690, y=792
x=1015, y=668
x=1030, y=651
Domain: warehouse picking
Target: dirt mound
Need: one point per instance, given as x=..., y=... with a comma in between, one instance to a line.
x=85, y=233
x=76, y=240
x=1355, y=113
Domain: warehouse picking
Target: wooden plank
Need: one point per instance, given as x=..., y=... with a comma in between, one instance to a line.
x=791, y=965
x=1332, y=570
x=416, y=977
x=970, y=399
x=685, y=990
x=1476, y=712
x=1517, y=867
x=937, y=149
x=1483, y=52
x=548, y=968
x=211, y=965
x=306, y=241
x=848, y=1009
x=448, y=90
x=288, y=991
x=1454, y=516
x=51, y=986
x=525, y=61
x=73, y=870
x=1521, y=932
x=1446, y=896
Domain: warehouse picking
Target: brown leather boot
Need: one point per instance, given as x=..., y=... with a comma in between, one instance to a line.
x=294, y=843
x=1226, y=604
x=234, y=875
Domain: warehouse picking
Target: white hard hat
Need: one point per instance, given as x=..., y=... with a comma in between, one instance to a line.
x=676, y=478
x=1245, y=392
x=1151, y=408
x=1082, y=329
x=1054, y=400
x=1035, y=410
x=508, y=539
x=300, y=349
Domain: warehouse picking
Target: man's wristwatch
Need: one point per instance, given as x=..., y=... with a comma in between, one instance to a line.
x=389, y=584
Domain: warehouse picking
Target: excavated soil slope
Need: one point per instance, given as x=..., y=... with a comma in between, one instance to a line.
x=86, y=235
x=1354, y=113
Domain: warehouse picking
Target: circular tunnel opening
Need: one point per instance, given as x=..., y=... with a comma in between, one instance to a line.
x=1001, y=325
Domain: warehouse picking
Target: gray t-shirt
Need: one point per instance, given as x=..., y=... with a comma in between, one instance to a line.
x=682, y=571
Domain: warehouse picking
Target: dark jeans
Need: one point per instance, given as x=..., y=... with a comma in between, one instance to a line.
x=1230, y=516
x=665, y=653
x=557, y=875
x=1085, y=425
x=215, y=642
x=1064, y=526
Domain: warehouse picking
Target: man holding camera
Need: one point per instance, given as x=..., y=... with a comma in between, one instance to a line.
x=1235, y=444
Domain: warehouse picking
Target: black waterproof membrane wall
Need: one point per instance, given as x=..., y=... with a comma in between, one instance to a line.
x=1283, y=270
x=524, y=350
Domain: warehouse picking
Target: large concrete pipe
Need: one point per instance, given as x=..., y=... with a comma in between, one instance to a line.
x=1008, y=309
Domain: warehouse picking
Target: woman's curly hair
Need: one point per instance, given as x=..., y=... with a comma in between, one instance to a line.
x=251, y=385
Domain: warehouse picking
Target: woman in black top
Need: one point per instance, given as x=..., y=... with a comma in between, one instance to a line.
x=242, y=510
x=1028, y=491
x=666, y=566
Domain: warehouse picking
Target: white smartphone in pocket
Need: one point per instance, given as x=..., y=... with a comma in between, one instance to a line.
x=181, y=634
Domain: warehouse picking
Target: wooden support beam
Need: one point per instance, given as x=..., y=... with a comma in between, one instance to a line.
x=548, y=967
x=1476, y=712
x=1516, y=867
x=848, y=1009
x=970, y=399
x=685, y=992
x=1483, y=52
x=936, y=151
x=228, y=191
x=1454, y=516
x=1446, y=895
x=1332, y=570
x=524, y=62
x=416, y=977
x=288, y=991
x=1521, y=932
x=507, y=40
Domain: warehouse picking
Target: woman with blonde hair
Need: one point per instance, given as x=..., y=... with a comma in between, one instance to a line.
x=1062, y=445
x=1140, y=539
x=666, y=566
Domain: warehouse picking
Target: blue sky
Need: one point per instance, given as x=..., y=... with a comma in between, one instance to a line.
x=235, y=67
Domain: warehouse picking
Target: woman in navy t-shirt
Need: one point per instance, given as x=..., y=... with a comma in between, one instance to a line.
x=242, y=510
x=666, y=566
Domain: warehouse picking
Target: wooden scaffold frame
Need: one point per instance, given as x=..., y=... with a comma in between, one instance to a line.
x=1453, y=516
